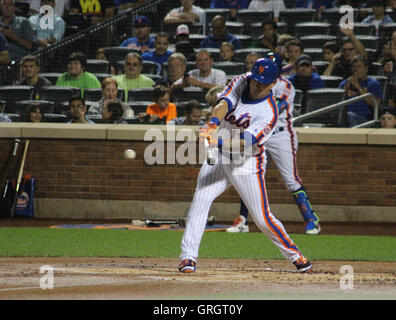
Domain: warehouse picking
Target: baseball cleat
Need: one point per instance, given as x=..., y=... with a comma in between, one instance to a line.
x=303, y=265
x=187, y=266
x=239, y=225
x=313, y=227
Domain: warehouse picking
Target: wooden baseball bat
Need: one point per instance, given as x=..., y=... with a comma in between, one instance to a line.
x=19, y=178
x=5, y=195
x=211, y=159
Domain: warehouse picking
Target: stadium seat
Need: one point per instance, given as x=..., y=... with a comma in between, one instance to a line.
x=115, y=54
x=319, y=98
x=369, y=42
x=247, y=17
x=13, y=93
x=54, y=117
x=51, y=76
x=139, y=106
x=385, y=31
x=375, y=69
x=331, y=81
x=316, y=54
x=235, y=27
x=320, y=66
x=97, y=66
x=170, y=29
x=141, y=94
x=316, y=41
x=22, y=9
x=363, y=29
x=94, y=94
x=211, y=13
x=241, y=54
x=196, y=39
x=20, y=107
x=58, y=95
x=294, y=16
x=189, y=93
x=230, y=67
x=246, y=40
x=298, y=99
x=333, y=16
x=312, y=28
x=102, y=76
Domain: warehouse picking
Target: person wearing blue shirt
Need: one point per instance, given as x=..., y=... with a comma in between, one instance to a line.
x=314, y=4
x=142, y=41
x=378, y=17
x=358, y=84
x=161, y=52
x=219, y=35
x=233, y=5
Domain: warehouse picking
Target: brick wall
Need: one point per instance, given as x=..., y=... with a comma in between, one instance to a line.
x=334, y=174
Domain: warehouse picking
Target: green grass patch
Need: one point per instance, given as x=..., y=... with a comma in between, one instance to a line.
x=46, y=242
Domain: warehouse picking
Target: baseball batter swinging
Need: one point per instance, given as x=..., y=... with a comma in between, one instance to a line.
x=248, y=111
x=282, y=147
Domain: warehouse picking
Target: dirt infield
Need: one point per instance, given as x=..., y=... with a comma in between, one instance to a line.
x=151, y=279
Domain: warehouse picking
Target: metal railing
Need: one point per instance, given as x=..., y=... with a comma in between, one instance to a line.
x=11, y=71
x=341, y=105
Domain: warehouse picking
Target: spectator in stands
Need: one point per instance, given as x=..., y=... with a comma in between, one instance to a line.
x=192, y=115
x=388, y=59
x=5, y=57
x=314, y=4
x=305, y=79
x=269, y=37
x=219, y=35
x=186, y=48
x=34, y=113
x=112, y=112
x=379, y=17
x=126, y=4
x=268, y=5
x=294, y=50
x=3, y=117
x=211, y=98
x=177, y=63
x=78, y=111
x=30, y=72
x=187, y=13
x=16, y=29
x=358, y=84
x=250, y=59
x=162, y=108
x=101, y=55
x=109, y=94
x=329, y=49
x=227, y=52
x=132, y=78
x=341, y=63
x=61, y=6
x=204, y=76
x=182, y=33
x=233, y=5
x=280, y=49
x=161, y=53
x=388, y=118
x=43, y=35
x=76, y=76
x=142, y=41
x=96, y=11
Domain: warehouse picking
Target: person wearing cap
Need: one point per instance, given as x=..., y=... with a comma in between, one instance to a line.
x=378, y=17
x=356, y=85
x=160, y=53
x=388, y=118
x=305, y=78
x=76, y=76
x=219, y=35
x=182, y=33
x=142, y=41
x=187, y=13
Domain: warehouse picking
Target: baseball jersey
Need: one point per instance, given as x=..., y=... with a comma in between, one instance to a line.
x=284, y=90
x=246, y=117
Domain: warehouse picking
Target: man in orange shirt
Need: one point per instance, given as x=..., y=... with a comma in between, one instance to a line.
x=162, y=108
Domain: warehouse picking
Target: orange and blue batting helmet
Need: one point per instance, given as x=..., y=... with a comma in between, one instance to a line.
x=264, y=71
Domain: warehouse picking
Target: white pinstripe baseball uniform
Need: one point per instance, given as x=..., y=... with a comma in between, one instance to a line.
x=259, y=119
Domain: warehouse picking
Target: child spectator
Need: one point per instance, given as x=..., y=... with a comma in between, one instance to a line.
x=34, y=113
x=227, y=52
x=162, y=108
x=192, y=115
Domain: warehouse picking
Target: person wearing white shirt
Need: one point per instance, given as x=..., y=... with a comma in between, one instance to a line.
x=187, y=13
x=60, y=6
x=204, y=76
x=268, y=5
